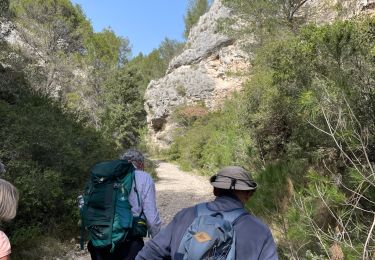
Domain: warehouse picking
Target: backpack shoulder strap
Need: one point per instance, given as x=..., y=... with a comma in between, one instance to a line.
x=234, y=215
x=202, y=209
x=138, y=197
x=136, y=190
x=231, y=216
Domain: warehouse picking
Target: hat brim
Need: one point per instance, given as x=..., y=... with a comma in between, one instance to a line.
x=226, y=186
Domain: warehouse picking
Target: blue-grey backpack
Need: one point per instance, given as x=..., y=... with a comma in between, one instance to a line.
x=106, y=212
x=210, y=236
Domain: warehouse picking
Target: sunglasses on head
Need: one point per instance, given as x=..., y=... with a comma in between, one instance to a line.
x=251, y=184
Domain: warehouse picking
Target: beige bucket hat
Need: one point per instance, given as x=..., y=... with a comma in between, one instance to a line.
x=233, y=177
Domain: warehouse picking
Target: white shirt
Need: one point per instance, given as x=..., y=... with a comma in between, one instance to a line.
x=146, y=191
x=4, y=245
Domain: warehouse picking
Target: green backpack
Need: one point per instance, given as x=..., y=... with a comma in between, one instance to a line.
x=106, y=211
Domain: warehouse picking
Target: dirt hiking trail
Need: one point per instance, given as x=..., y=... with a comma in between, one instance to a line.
x=175, y=189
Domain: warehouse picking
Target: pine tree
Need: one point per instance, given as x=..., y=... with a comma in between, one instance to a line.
x=196, y=9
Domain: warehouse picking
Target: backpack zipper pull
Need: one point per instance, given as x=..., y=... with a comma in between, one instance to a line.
x=122, y=198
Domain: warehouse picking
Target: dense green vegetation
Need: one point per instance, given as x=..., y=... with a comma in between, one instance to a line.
x=305, y=125
x=69, y=97
x=47, y=152
x=211, y=140
x=155, y=64
x=66, y=59
x=46, y=146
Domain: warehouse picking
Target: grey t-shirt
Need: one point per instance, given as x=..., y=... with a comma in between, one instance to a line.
x=146, y=192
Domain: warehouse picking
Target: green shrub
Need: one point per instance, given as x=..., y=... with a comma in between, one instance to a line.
x=305, y=123
x=186, y=115
x=212, y=140
x=47, y=154
x=310, y=99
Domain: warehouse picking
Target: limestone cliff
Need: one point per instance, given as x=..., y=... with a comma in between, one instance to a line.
x=202, y=72
x=205, y=72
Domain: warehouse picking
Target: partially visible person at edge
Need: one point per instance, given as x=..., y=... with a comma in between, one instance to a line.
x=233, y=187
x=145, y=187
x=8, y=209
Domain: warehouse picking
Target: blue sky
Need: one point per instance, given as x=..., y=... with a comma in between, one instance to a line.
x=144, y=22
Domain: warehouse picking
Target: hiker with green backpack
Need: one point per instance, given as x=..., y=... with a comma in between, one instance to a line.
x=217, y=230
x=119, y=208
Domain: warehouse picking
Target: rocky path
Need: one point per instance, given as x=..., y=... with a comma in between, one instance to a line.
x=175, y=190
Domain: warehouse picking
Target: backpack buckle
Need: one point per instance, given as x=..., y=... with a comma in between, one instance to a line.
x=117, y=185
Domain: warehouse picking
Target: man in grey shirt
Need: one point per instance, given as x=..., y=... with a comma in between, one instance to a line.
x=233, y=186
x=145, y=187
x=143, y=201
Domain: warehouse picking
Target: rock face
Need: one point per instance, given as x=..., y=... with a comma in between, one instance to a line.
x=327, y=11
x=201, y=73
x=205, y=72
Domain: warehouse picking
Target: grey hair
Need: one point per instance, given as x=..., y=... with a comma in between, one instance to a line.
x=8, y=200
x=132, y=155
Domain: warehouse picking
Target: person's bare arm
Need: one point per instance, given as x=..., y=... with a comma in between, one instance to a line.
x=7, y=257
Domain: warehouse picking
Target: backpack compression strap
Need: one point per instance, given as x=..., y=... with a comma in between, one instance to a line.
x=231, y=216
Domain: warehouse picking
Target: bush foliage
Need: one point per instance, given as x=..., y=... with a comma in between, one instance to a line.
x=305, y=123
x=69, y=97
x=47, y=153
